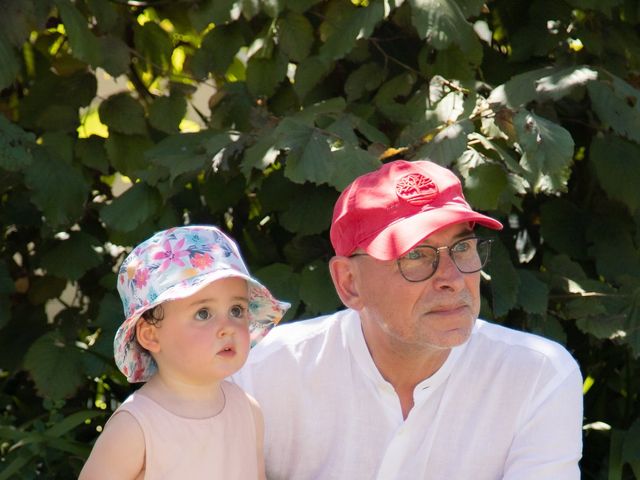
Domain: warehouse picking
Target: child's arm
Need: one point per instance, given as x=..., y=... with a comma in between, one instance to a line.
x=119, y=451
x=259, y=421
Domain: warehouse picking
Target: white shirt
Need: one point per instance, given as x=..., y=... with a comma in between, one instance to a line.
x=505, y=405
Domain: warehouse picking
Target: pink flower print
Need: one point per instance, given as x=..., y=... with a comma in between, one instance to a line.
x=142, y=275
x=201, y=261
x=171, y=255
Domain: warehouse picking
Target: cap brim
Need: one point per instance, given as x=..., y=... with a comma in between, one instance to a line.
x=401, y=236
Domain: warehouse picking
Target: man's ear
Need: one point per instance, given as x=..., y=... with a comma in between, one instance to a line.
x=146, y=336
x=344, y=275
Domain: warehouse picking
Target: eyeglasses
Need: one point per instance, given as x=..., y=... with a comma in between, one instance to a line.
x=469, y=255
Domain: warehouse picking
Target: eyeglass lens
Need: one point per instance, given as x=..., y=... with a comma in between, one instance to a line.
x=469, y=255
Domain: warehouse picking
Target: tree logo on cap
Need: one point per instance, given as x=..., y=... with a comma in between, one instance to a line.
x=416, y=189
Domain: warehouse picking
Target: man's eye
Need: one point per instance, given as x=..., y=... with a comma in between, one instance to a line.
x=414, y=255
x=238, y=311
x=203, y=314
x=462, y=246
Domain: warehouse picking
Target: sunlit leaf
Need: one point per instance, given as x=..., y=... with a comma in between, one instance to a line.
x=547, y=152
x=484, y=186
x=447, y=145
x=54, y=365
x=348, y=25
x=617, y=104
x=542, y=84
x=443, y=23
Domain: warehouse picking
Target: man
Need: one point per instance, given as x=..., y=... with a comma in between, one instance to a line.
x=407, y=383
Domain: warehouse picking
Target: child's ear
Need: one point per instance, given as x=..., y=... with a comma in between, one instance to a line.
x=146, y=335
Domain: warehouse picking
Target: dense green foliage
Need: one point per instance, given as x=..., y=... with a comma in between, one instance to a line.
x=533, y=103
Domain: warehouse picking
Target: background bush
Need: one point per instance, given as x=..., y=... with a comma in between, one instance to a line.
x=533, y=103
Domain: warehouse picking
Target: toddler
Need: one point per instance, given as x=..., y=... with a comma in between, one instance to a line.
x=192, y=312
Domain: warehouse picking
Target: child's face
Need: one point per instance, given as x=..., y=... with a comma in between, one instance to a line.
x=205, y=337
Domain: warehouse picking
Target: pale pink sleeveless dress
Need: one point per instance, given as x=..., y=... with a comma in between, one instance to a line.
x=220, y=447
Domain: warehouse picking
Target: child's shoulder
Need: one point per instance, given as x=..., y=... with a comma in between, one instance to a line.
x=119, y=450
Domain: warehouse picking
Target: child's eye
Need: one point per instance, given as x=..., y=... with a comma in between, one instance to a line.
x=203, y=314
x=238, y=311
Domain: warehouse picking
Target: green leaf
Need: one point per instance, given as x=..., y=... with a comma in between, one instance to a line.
x=547, y=152
x=217, y=12
x=632, y=329
x=631, y=447
x=316, y=289
x=309, y=72
x=616, y=104
x=91, y=152
x=615, y=161
x=284, y=284
x=345, y=24
x=505, y=281
x=132, y=208
x=309, y=214
x=123, y=114
x=385, y=99
x=219, y=46
x=366, y=78
x=221, y=193
x=547, y=326
x=562, y=226
x=44, y=177
x=604, y=6
x=448, y=145
x=543, y=84
x=9, y=64
x=484, y=186
x=73, y=257
x=43, y=288
x=114, y=54
x=265, y=74
x=295, y=34
x=84, y=44
x=126, y=153
x=166, y=113
x=54, y=366
x=533, y=293
x=154, y=45
x=261, y=154
x=443, y=23
x=350, y=162
x=15, y=146
x=309, y=156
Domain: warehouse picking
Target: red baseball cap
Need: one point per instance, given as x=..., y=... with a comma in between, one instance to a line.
x=389, y=211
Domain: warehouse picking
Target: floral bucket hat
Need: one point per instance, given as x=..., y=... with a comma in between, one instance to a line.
x=175, y=264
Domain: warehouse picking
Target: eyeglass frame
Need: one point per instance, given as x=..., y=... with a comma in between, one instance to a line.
x=436, y=262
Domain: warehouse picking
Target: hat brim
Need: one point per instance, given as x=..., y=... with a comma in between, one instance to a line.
x=136, y=363
x=398, y=238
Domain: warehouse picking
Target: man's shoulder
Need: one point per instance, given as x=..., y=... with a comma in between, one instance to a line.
x=298, y=336
x=509, y=342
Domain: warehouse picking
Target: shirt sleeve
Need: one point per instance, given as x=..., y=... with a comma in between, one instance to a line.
x=548, y=443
